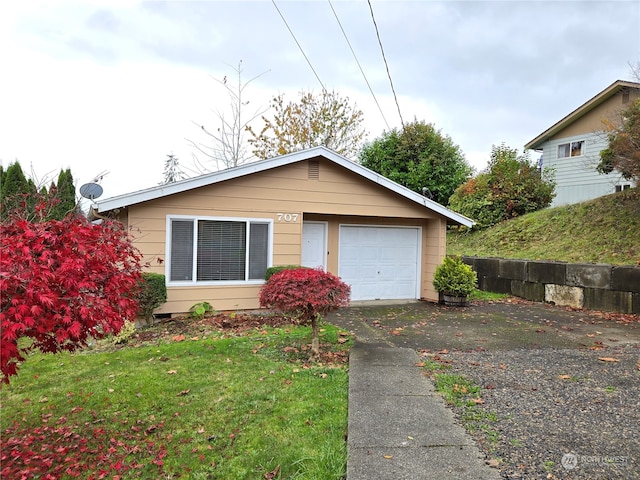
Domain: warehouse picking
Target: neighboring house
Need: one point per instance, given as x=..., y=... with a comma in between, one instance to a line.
x=572, y=146
x=214, y=236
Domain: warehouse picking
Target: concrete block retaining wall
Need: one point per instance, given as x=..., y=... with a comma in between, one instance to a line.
x=596, y=287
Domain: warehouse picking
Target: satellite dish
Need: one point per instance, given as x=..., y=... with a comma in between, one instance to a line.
x=91, y=191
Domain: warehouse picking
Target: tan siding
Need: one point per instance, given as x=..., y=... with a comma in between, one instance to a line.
x=596, y=119
x=337, y=197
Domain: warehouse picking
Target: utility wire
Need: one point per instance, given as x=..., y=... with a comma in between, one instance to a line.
x=359, y=66
x=385, y=62
x=297, y=43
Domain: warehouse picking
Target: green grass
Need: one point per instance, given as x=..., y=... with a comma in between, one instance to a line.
x=230, y=408
x=604, y=230
x=481, y=295
x=465, y=396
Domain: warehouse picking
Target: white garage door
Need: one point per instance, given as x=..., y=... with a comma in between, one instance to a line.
x=380, y=262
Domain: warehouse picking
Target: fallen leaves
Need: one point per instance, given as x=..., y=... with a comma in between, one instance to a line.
x=564, y=377
x=608, y=359
x=273, y=474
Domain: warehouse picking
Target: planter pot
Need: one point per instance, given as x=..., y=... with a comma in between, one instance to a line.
x=454, y=301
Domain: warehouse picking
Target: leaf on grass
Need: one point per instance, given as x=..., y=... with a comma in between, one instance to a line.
x=419, y=364
x=343, y=340
x=323, y=375
x=608, y=359
x=172, y=372
x=184, y=392
x=272, y=475
x=179, y=338
x=477, y=400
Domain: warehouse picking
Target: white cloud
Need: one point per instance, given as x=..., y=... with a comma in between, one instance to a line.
x=116, y=86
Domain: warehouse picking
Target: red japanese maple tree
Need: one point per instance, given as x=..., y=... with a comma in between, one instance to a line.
x=62, y=282
x=308, y=293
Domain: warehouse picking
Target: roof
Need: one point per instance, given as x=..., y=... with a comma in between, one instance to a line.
x=581, y=111
x=153, y=193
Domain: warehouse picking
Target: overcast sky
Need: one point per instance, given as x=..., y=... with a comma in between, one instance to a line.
x=116, y=85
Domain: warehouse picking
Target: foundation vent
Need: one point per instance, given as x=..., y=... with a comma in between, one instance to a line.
x=314, y=169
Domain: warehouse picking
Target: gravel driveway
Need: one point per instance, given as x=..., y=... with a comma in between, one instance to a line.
x=564, y=385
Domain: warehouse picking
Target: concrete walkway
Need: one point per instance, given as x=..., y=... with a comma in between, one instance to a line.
x=399, y=427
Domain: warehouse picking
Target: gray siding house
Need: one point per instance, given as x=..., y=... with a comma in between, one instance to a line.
x=571, y=147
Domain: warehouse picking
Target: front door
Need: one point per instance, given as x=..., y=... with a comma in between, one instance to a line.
x=314, y=245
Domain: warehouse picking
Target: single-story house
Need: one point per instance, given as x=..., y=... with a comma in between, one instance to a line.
x=571, y=147
x=214, y=236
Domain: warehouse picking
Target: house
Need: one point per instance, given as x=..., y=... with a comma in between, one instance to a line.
x=571, y=147
x=214, y=236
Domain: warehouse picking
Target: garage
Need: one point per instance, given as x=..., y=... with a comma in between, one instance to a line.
x=380, y=263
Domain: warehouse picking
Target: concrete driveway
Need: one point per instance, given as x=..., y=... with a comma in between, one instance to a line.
x=485, y=326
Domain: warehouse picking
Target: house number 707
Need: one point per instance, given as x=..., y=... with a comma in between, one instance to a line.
x=287, y=217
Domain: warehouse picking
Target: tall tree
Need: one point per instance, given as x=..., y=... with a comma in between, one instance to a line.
x=226, y=145
x=325, y=119
x=16, y=192
x=172, y=171
x=510, y=186
x=63, y=196
x=419, y=157
x=623, y=152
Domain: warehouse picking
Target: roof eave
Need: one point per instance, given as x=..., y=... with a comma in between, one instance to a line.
x=615, y=87
x=153, y=193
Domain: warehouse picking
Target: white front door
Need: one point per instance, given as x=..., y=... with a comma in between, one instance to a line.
x=314, y=245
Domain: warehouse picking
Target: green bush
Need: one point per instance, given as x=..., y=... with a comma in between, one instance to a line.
x=127, y=331
x=511, y=186
x=454, y=277
x=273, y=270
x=200, y=309
x=153, y=293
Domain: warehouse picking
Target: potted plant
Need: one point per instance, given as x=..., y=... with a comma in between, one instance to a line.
x=455, y=280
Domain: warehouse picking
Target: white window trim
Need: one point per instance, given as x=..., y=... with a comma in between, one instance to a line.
x=582, y=153
x=217, y=283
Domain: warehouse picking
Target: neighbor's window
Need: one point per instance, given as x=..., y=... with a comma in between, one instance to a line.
x=573, y=149
x=622, y=187
x=207, y=250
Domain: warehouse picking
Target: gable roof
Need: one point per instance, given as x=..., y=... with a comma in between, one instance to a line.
x=160, y=191
x=581, y=111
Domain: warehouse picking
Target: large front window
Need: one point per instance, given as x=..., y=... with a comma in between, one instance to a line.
x=217, y=250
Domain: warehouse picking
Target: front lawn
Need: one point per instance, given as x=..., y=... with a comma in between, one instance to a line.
x=201, y=403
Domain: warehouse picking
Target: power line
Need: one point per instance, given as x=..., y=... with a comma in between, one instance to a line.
x=299, y=46
x=385, y=62
x=359, y=66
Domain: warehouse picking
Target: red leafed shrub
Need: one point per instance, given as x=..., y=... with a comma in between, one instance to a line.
x=63, y=281
x=308, y=293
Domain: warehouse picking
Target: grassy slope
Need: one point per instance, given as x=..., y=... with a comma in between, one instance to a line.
x=604, y=230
